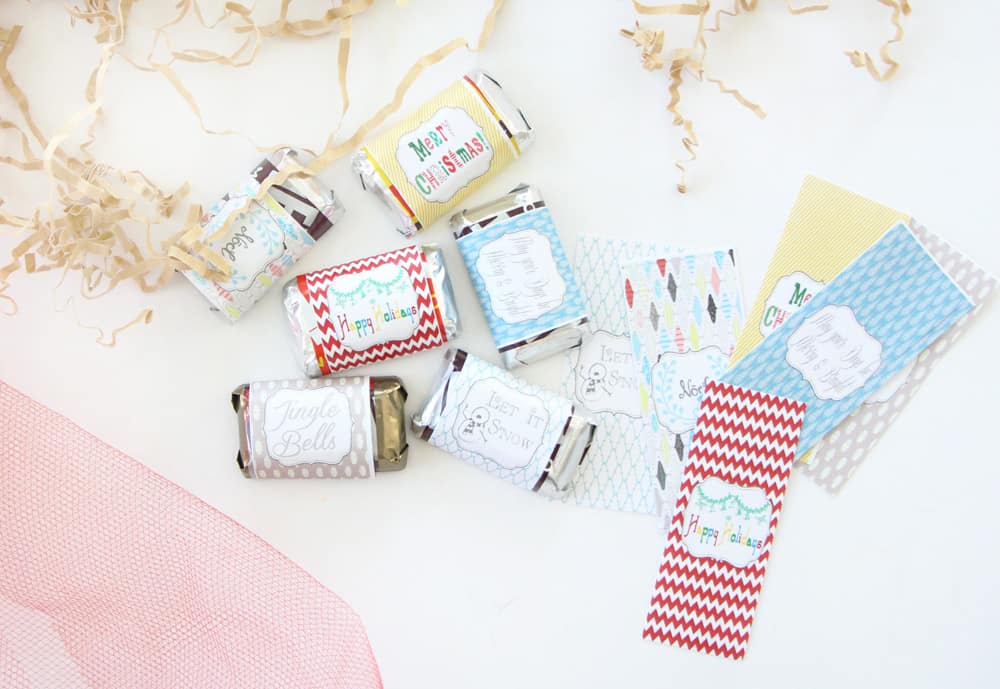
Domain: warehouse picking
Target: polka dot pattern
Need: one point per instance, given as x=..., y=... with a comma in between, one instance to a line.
x=359, y=461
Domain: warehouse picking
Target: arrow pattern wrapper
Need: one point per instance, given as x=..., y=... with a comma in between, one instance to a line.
x=522, y=276
x=841, y=451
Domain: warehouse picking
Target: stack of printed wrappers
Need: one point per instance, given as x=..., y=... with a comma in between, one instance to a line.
x=704, y=409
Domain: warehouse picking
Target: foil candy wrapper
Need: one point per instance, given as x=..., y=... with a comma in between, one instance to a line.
x=267, y=238
x=522, y=275
x=516, y=431
x=347, y=427
x=424, y=166
x=370, y=309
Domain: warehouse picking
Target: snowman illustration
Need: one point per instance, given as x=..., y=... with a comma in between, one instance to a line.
x=593, y=381
x=475, y=423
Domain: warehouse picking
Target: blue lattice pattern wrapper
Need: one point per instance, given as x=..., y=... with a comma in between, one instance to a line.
x=267, y=236
x=494, y=420
x=523, y=278
x=855, y=334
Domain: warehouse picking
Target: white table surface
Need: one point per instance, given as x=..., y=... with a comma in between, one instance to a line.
x=461, y=579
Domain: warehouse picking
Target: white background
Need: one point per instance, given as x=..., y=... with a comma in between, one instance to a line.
x=461, y=579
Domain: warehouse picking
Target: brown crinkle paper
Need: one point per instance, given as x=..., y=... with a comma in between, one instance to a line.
x=98, y=224
x=96, y=212
x=691, y=59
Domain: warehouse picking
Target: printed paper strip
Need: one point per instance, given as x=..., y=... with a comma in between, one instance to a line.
x=600, y=376
x=684, y=315
x=828, y=228
x=839, y=453
x=826, y=231
x=723, y=525
x=855, y=334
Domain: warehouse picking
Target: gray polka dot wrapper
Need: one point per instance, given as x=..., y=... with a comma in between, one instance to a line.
x=839, y=454
x=346, y=427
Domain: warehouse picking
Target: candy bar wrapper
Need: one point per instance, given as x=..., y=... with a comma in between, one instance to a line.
x=371, y=309
x=828, y=228
x=856, y=334
x=600, y=376
x=685, y=313
x=514, y=430
x=348, y=427
x=428, y=163
x=724, y=520
x=268, y=237
x=523, y=278
x=840, y=452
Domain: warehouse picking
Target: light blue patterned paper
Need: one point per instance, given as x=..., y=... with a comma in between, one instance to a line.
x=616, y=474
x=532, y=287
x=897, y=293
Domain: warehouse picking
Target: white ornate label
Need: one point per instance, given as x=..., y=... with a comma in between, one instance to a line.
x=307, y=426
x=726, y=522
x=834, y=352
x=520, y=276
x=444, y=154
x=373, y=307
x=679, y=381
x=501, y=424
x=892, y=385
x=790, y=294
x=605, y=376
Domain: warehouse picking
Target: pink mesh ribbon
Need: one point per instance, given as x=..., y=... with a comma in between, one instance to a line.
x=113, y=577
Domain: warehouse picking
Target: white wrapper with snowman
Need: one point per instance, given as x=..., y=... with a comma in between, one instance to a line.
x=516, y=431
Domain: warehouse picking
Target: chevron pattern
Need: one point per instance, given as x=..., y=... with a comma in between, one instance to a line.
x=334, y=356
x=749, y=439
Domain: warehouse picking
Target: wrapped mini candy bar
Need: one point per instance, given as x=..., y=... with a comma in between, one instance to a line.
x=371, y=309
x=267, y=238
x=523, y=278
x=424, y=166
x=348, y=427
x=515, y=430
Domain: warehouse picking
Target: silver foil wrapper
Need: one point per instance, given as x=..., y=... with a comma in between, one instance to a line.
x=347, y=427
x=521, y=272
x=268, y=236
x=425, y=165
x=370, y=309
x=506, y=426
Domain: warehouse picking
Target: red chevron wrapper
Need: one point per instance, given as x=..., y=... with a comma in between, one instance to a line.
x=379, y=307
x=723, y=525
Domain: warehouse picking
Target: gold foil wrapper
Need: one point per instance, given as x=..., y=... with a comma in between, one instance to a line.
x=425, y=165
